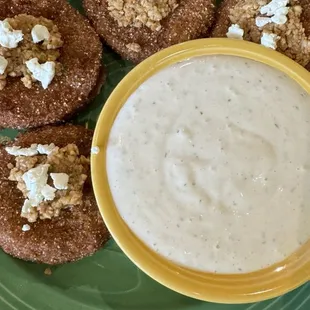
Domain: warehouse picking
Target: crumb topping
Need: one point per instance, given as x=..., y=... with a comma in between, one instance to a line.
x=61, y=160
x=147, y=13
x=134, y=47
x=292, y=40
x=4, y=140
x=44, y=51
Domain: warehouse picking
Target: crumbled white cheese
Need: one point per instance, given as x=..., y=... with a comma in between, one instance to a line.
x=26, y=227
x=39, y=33
x=235, y=32
x=18, y=151
x=60, y=180
x=3, y=64
x=35, y=149
x=262, y=21
x=46, y=148
x=95, y=150
x=269, y=40
x=48, y=192
x=35, y=179
x=272, y=7
x=41, y=72
x=279, y=19
x=277, y=9
x=9, y=37
x=282, y=11
x=26, y=206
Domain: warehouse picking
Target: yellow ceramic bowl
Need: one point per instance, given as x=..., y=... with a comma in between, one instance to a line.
x=242, y=288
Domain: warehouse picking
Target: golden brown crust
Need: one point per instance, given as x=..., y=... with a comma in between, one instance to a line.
x=222, y=21
x=190, y=20
x=81, y=57
x=305, y=4
x=74, y=234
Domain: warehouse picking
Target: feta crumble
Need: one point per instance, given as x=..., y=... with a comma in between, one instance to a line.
x=35, y=180
x=277, y=9
x=39, y=33
x=46, y=149
x=34, y=149
x=262, y=21
x=269, y=40
x=235, y=32
x=272, y=7
x=48, y=192
x=9, y=37
x=26, y=227
x=42, y=72
x=95, y=150
x=18, y=151
x=26, y=206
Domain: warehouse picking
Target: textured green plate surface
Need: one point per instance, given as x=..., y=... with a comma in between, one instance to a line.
x=108, y=280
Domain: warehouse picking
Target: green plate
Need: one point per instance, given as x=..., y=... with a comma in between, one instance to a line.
x=107, y=280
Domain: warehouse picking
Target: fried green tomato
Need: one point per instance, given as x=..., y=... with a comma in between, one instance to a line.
x=291, y=33
x=138, y=29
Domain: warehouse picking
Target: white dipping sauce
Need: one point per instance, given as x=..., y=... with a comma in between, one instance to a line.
x=209, y=164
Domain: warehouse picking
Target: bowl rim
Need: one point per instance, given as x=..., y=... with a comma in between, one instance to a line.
x=222, y=288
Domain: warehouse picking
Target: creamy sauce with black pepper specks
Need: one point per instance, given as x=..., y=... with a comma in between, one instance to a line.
x=209, y=164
